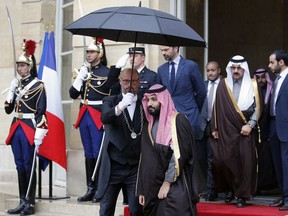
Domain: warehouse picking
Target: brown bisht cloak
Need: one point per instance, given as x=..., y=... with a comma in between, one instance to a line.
x=183, y=194
x=234, y=164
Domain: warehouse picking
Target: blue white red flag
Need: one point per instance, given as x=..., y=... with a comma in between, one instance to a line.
x=54, y=143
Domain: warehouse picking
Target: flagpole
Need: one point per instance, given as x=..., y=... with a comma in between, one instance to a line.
x=84, y=38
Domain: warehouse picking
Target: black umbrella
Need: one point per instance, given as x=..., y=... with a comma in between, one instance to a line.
x=136, y=24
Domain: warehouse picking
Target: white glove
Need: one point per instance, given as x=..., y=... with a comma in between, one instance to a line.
x=11, y=91
x=122, y=61
x=40, y=133
x=82, y=75
x=126, y=101
x=14, y=84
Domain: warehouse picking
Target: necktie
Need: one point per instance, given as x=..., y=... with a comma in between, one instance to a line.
x=210, y=100
x=273, y=96
x=172, y=75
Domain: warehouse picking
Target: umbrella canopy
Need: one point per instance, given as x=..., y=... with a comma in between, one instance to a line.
x=136, y=24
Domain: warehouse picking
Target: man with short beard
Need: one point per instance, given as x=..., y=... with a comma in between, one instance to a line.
x=167, y=173
x=183, y=80
x=265, y=83
x=266, y=173
x=278, y=64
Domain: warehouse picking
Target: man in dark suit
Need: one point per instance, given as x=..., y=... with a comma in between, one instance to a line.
x=183, y=79
x=123, y=119
x=278, y=63
x=204, y=151
x=147, y=76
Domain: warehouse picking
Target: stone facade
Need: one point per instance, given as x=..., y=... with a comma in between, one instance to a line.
x=251, y=28
x=30, y=19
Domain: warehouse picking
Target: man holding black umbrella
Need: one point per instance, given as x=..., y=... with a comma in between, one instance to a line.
x=124, y=119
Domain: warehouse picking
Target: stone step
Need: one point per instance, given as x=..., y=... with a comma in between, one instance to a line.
x=65, y=207
x=3, y=198
x=52, y=207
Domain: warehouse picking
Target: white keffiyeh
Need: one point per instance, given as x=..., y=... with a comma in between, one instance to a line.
x=246, y=96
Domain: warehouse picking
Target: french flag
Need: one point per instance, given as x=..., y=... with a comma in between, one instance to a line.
x=54, y=143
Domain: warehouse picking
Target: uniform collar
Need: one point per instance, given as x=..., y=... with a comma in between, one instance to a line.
x=26, y=79
x=96, y=66
x=141, y=69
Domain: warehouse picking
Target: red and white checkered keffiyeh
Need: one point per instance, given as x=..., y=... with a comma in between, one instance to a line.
x=163, y=136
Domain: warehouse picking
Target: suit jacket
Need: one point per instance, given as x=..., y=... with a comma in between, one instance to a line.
x=204, y=111
x=118, y=146
x=189, y=91
x=281, y=111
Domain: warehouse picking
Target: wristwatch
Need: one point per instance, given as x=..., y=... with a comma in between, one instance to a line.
x=250, y=125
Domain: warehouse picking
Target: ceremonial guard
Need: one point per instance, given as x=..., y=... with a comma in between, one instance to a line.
x=29, y=126
x=92, y=84
x=147, y=76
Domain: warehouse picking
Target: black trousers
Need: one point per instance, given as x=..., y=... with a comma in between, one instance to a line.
x=122, y=177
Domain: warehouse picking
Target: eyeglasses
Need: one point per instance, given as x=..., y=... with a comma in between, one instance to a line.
x=126, y=81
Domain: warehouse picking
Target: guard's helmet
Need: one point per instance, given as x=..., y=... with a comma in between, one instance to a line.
x=97, y=45
x=27, y=56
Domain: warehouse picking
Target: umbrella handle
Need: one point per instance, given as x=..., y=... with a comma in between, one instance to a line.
x=84, y=38
x=130, y=89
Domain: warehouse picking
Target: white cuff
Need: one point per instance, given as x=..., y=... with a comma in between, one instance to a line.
x=78, y=84
x=118, y=111
x=40, y=133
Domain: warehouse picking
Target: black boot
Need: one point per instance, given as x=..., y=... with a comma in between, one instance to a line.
x=28, y=210
x=19, y=208
x=22, y=183
x=89, y=165
x=30, y=206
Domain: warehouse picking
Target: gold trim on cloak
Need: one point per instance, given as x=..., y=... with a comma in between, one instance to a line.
x=258, y=106
x=257, y=98
x=175, y=143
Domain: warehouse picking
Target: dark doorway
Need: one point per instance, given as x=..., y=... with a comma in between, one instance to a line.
x=249, y=28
